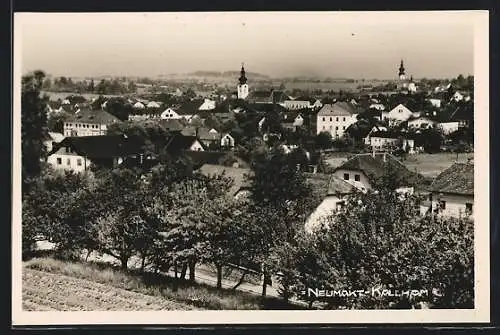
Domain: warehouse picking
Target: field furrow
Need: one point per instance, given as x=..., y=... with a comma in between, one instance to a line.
x=46, y=291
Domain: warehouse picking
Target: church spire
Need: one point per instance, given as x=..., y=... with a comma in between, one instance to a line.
x=243, y=78
x=401, y=69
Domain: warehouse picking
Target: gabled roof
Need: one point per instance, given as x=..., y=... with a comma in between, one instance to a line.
x=237, y=175
x=338, y=109
x=188, y=107
x=93, y=116
x=56, y=137
x=457, y=179
x=107, y=146
x=179, y=142
x=373, y=165
x=205, y=134
x=171, y=124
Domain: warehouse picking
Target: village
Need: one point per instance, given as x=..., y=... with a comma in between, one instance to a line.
x=365, y=129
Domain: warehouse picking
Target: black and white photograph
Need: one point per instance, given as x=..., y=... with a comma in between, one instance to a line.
x=242, y=167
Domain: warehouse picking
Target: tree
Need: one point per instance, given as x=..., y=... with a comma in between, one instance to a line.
x=324, y=140
x=379, y=241
x=121, y=225
x=33, y=123
x=55, y=121
x=119, y=108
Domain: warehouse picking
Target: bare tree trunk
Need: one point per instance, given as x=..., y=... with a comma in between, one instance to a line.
x=88, y=255
x=143, y=262
x=124, y=262
x=175, y=269
x=192, y=271
x=241, y=280
x=219, y=276
x=264, y=280
x=183, y=270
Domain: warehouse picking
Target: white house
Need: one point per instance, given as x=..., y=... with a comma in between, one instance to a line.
x=139, y=105
x=452, y=192
x=207, y=105
x=421, y=123
x=412, y=88
x=169, y=114
x=78, y=154
x=398, y=114
x=227, y=141
x=296, y=104
x=336, y=118
x=333, y=203
x=359, y=170
x=457, y=96
x=448, y=127
x=435, y=102
x=153, y=104
x=86, y=122
x=377, y=106
x=382, y=140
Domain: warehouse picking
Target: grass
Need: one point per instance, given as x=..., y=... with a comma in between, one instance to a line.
x=177, y=293
x=428, y=165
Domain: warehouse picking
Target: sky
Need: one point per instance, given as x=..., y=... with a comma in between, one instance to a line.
x=279, y=44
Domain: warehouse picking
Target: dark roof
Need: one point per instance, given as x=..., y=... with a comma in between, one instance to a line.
x=390, y=134
x=171, y=125
x=188, y=107
x=339, y=108
x=179, y=142
x=93, y=116
x=462, y=113
x=106, y=146
x=373, y=165
x=237, y=175
x=457, y=179
x=265, y=108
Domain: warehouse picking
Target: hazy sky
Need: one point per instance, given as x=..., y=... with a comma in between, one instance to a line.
x=354, y=45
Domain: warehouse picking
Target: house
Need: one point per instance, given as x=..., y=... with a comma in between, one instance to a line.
x=240, y=186
x=207, y=105
x=435, y=102
x=209, y=137
x=178, y=143
x=89, y=122
x=421, y=122
x=361, y=170
x=228, y=140
x=296, y=104
x=291, y=120
x=80, y=153
x=448, y=127
x=384, y=140
x=336, y=118
x=398, y=114
x=139, y=105
x=171, y=125
x=153, y=104
x=170, y=114
x=452, y=192
x=268, y=97
x=333, y=201
x=457, y=96
x=52, y=138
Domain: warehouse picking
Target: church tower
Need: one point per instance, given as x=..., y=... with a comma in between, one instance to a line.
x=402, y=75
x=242, y=86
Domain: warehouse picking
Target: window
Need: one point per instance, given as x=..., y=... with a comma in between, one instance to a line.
x=343, y=127
x=337, y=119
x=346, y=176
x=323, y=118
x=357, y=177
x=442, y=204
x=330, y=119
x=336, y=128
x=59, y=161
x=68, y=162
x=343, y=119
x=79, y=162
x=468, y=208
x=340, y=205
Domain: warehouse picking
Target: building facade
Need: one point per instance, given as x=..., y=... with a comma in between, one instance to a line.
x=336, y=118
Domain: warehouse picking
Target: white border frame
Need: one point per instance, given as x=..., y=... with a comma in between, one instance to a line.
x=481, y=313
